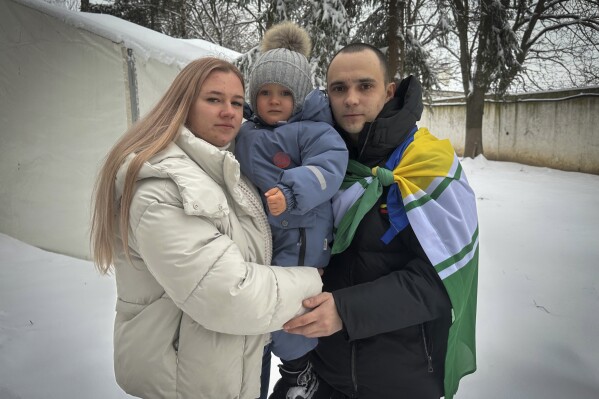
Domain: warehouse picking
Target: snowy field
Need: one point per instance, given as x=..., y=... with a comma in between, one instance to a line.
x=538, y=322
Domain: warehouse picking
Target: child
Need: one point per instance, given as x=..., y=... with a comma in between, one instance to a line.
x=290, y=151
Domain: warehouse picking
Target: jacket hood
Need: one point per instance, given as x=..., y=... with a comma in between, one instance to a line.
x=184, y=161
x=378, y=139
x=316, y=109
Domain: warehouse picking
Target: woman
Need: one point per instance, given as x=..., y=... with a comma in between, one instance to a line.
x=188, y=239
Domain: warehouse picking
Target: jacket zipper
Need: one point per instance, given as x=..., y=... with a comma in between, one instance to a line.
x=354, y=377
x=365, y=141
x=302, y=244
x=256, y=209
x=429, y=358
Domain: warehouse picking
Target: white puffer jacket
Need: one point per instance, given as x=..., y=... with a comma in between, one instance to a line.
x=193, y=309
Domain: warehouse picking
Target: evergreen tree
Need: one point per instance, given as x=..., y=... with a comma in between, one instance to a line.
x=165, y=16
x=405, y=30
x=326, y=22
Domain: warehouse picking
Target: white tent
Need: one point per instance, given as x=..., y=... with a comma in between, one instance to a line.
x=70, y=85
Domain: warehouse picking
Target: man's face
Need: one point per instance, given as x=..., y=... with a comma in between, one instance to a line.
x=357, y=90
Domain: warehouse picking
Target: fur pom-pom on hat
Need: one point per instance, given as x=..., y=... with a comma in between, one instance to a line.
x=285, y=50
x=289, y=36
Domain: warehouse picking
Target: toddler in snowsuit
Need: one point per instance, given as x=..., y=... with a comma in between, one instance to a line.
x=291, y=152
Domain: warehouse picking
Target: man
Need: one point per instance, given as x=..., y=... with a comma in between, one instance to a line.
x=385, y=314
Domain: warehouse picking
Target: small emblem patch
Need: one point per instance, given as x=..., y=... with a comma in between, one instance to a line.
x=281, y=160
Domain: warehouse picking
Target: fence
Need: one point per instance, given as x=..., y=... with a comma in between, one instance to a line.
x=557, y=129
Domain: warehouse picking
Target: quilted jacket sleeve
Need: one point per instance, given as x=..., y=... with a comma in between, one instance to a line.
x=324, y=161
x=204, y=273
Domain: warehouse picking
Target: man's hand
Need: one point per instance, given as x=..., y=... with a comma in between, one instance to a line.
x=276, y=201
x=323, y=320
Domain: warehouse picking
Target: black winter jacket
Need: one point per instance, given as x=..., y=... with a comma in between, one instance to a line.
x=395, y=310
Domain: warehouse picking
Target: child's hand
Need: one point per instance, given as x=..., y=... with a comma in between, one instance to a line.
x=276, y=201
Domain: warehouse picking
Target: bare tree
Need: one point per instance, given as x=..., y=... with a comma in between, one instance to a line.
x=223, y=23
x=497, y=39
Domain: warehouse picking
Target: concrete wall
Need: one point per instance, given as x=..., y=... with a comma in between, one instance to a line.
x=558, y=129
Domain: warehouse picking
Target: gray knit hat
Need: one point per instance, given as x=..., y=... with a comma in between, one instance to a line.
x=285, y=48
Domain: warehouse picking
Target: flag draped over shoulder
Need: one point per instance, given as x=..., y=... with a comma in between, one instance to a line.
x=430, y=192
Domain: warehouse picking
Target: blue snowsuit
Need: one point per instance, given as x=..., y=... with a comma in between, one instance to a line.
x=306, y=159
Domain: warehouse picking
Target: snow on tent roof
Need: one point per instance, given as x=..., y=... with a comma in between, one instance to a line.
x=145, y=42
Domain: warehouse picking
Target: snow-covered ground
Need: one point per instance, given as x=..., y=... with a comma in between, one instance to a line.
x=538, y=299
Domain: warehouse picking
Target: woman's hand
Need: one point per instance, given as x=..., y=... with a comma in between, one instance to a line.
x=276, y=201
x=323, y=320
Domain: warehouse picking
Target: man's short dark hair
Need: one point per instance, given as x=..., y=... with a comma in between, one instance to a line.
x=359, y=47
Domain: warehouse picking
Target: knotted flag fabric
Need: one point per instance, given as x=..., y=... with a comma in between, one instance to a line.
x=430, y=192
x=361, y=188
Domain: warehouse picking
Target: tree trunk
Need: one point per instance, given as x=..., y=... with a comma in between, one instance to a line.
x=401, y=19
x=182, y=20
x=84, y=6
x=393, y=40
x=474, y=123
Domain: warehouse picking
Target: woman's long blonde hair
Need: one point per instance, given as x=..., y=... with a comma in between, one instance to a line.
x=147, y=137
